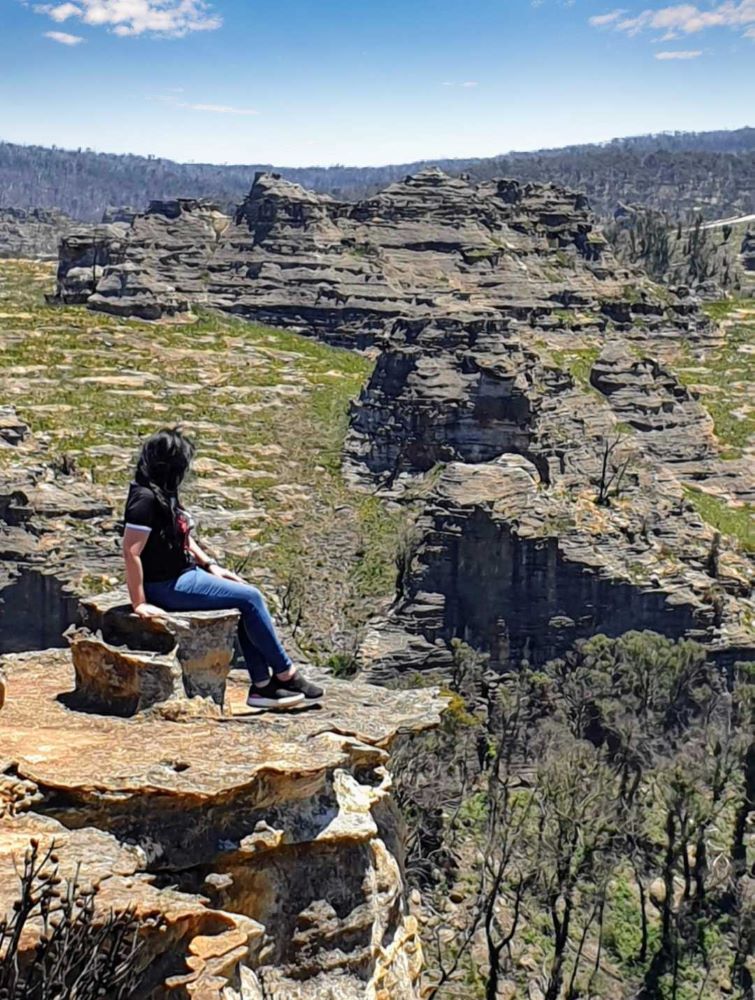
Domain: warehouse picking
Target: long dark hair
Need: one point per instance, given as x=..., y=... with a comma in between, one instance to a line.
x=162, y=465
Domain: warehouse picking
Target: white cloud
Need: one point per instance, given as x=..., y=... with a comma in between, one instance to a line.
x=169, y=18
x=689, y=54
x=466, y=84
x=601, y=20
x=59, y=12
x=64, y=38
x=685, y=19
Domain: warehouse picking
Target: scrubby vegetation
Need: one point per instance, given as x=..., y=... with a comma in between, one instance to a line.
x=724, y=379
x=736, y=521
x=78, y=955
x=581, y=830
x=680, y=250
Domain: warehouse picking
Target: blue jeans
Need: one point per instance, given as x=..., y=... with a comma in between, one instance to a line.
x=197, y=590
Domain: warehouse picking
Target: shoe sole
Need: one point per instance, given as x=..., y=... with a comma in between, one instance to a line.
x=286, y=702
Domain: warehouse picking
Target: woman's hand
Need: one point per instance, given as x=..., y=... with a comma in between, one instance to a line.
x=225, y=574
x=149, y=611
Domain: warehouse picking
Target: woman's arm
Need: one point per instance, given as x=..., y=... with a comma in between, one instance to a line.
x=199, y=554
x=209, y=564
x=133, y=543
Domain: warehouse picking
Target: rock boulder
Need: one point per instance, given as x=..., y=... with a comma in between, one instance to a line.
x=126, y=664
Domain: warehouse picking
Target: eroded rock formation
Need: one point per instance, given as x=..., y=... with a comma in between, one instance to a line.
x=524, y=402
x=747, y=261
x=559, y=510
x=56, y=528
x=269, y=847
x=505, y=328
x=125, y=664
x=345, y=271
x=748, y=251
x=32, y=233
x=521, y=571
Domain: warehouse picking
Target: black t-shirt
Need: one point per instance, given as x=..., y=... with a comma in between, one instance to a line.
x=166, y=554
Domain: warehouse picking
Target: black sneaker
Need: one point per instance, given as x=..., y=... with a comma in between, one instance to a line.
x=272, y=696
x=299, y=684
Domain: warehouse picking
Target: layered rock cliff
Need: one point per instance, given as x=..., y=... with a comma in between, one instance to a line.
x=557, y=507
x=429, y=244
x=55, y=529
x=747, y=251
x=261, y=856
x=526, y=406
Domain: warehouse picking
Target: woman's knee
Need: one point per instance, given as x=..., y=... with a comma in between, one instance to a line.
x=252, y=597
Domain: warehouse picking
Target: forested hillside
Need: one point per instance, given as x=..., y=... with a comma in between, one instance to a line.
x=679, y=173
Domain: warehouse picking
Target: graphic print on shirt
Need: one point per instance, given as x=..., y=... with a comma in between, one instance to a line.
x=184, y=524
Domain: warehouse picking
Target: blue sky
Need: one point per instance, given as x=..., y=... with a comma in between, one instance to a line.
x=296, y=82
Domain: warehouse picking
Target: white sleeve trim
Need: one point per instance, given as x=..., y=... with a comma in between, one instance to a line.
x=139, y=527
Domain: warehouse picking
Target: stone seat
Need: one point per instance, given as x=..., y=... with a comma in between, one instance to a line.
x=126, y=664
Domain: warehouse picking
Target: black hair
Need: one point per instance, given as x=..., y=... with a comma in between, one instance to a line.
x=162, y=465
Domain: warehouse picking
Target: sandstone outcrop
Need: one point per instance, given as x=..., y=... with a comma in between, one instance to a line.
x=56, y=527
x=673, y=425
x=748, y=251
x=153, y=267
x=345, y=272
x=268, y=847
x=523, y=404
x=12, y=429
x=520, y=571
x=32, y=233
x=203, y=952
x=504, y=327
x=558, y=510
x=82, y=257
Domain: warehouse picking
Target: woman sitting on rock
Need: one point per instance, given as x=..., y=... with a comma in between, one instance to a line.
x=166, y=567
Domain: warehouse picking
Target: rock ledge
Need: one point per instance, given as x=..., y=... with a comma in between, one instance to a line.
x=276, y=834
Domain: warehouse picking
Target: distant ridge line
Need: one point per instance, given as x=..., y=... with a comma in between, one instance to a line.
x=678, y=172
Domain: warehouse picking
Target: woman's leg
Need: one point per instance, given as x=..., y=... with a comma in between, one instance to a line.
x=255, y=661
x=197, y=590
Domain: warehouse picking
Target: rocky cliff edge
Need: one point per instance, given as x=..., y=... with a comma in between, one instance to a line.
x=261, y=855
